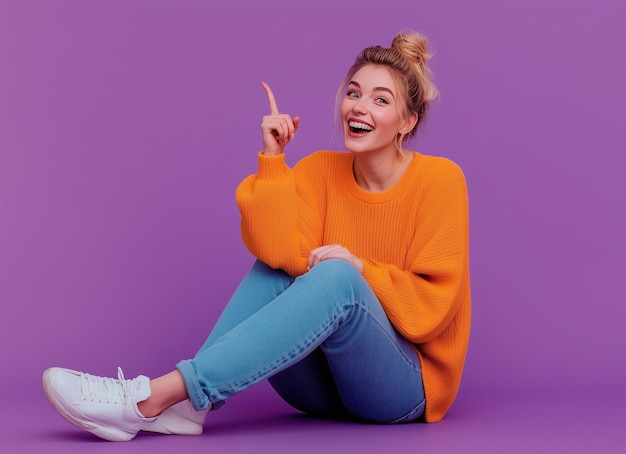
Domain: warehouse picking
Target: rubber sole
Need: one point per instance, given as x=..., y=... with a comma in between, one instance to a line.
x=105, y=432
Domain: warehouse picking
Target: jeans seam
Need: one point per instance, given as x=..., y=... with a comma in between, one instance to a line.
x=386, y=332
x=416, y=411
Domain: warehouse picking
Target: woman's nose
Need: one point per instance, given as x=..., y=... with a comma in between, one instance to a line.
x=359, y=106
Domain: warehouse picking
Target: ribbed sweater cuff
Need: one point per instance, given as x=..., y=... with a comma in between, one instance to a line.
x=370, y=275
x=271, y=167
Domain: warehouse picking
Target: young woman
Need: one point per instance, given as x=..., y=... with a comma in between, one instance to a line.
x=359, y=303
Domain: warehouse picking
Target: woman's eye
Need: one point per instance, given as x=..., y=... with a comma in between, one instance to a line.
x=382, y=101
x=352, y=94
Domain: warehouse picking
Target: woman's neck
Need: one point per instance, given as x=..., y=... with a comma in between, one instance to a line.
x=377, y=172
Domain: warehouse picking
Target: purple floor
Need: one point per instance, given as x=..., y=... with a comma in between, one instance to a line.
x=258, y=422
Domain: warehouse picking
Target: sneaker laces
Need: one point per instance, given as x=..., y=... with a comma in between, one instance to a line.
x=106, y=389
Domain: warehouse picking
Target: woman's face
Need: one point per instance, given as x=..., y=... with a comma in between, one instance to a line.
x=370, y=111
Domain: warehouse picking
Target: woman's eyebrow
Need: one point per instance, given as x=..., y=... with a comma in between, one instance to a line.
x=385, y=89
x=374, y=89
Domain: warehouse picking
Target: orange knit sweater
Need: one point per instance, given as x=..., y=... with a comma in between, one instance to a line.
x=412, y=239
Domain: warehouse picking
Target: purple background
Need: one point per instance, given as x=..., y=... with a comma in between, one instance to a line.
x=125, y=127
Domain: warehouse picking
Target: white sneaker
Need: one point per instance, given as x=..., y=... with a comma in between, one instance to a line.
x=179, y=419
x=106, y=407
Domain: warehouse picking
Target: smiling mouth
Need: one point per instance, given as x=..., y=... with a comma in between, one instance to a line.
x=358, y=127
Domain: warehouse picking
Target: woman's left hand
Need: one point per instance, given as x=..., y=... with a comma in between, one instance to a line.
x=334, y=251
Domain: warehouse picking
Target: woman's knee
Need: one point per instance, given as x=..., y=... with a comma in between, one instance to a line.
x=335, y=271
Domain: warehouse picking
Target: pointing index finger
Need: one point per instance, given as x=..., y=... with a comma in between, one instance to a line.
x=271, y=99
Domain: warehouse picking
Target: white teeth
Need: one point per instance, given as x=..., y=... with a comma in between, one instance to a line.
x=359, y=125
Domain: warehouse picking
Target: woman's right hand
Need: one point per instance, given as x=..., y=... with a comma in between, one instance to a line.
x=277, y=129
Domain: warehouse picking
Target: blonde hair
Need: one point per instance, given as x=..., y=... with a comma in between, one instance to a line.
x=406, y=60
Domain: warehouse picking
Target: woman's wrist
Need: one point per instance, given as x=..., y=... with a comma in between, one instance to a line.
x=271, y=153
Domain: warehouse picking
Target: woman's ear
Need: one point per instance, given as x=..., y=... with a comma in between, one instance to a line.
x=409, y=124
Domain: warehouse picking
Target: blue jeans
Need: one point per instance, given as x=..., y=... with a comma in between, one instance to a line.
x=323, y=341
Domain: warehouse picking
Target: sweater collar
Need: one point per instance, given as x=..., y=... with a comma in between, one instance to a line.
x=402, y=186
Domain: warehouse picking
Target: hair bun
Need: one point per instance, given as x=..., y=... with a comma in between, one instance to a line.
x=414, y=49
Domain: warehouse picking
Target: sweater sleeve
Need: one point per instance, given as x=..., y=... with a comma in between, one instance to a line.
x=279, y=217
x=421, y=301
